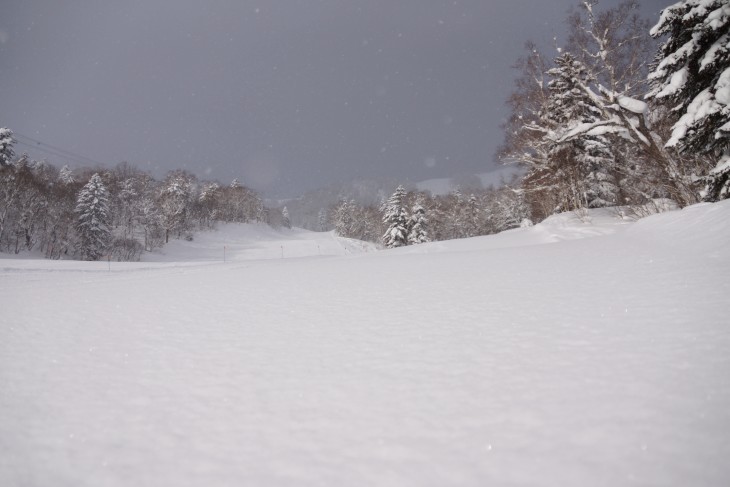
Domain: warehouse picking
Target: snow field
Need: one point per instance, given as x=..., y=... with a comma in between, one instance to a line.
x=582, y=351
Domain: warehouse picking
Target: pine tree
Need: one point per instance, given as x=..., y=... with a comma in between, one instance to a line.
x=508, y=210
x=92, y=208
x=322, y=220
x=692, y=75
x=418, y=225
x=456, y=215
x=343, y=218
x=210, y=192
x=208, y=203
x=396, y=218
x=127, y=198
x=582, y=159
x=473, y=217
x=65, y=175
x=152, y=222
x=175, y=202
x=7, y=141
x=286, y=222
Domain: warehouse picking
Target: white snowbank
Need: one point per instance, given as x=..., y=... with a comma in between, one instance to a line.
x=535, y=357
x=632, y=104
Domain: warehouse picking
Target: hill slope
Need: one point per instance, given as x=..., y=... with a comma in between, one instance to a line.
x=579, y=352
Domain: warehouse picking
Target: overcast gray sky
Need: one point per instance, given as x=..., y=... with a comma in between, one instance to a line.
x=285, y=95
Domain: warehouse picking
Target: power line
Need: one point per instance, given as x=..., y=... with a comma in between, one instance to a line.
x=55, y=150
x=58, y=150
x=59, y=155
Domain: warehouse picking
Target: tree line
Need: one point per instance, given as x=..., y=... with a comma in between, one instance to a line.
x=612, y=119
x=120, y=212
x=414, y=217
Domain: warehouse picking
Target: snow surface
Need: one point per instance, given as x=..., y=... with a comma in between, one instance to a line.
x=443, y=186
x=588, y=350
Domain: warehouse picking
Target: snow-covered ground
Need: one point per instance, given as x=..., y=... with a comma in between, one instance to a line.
x=586, y=351
x=442, y=186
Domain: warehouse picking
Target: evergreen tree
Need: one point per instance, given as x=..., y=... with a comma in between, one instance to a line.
x=7, y=141
x=455, y=215
x=127, y=198
x=286, y=222
x=611, y=154
x=92, y=208
x=582, y=160
x=175, y=202
x=343, y=218
x=152, y=222
x=418, y=225
x=209, y=203
x=322, y=220
x=65, y=175
x=396, y=219
x=692, y=75
x=508, y=210
x=473, y=217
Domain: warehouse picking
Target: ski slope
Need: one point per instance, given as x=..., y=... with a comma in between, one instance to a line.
x=589, y=350
x=443, y=186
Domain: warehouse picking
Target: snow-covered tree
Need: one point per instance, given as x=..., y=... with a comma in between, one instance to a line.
x=524, y=136
x=92, y=208
x=692, y=75
x=239, y=204
x=343, y=218
x=285, y=220
x=456, y=215
x=612, y=155
x=24, y=190
x=507, y=210
x=396, y=219
x=7, y=141
x=613, y=44
x=152, y=222
x=472, y=217
x=65, y=175
x=418, y=225
x=209, y=203
x=174, y=202
x=127, y=197
x=209, y=193
x=60, y=237
x=615, y=47
x=322, y=220
x=582, y=159
x=355, y=221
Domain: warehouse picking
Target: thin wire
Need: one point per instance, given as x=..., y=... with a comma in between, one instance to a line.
x=60, y=149
x=60, y=155
x=67, y=153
